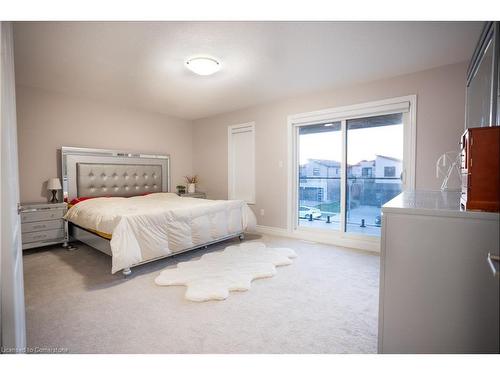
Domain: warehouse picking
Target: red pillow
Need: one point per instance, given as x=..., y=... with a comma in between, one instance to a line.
x=79, y=199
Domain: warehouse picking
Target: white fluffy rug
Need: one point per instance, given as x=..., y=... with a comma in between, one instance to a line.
x=214, y=275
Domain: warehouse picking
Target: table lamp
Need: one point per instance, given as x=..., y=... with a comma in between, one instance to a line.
x=54, y=184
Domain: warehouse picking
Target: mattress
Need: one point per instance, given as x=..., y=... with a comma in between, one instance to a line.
x=147, y=227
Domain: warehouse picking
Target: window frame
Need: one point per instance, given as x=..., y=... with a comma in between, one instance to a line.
x=368, y=170
x=405, y=104
x=392, y=168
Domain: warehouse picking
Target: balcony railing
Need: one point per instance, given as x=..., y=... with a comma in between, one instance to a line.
x=348, y=177
x=320, y=199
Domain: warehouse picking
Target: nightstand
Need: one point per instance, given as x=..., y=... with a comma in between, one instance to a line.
x=42, y=224
x=194, y=195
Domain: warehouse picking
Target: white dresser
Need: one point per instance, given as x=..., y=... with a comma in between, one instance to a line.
x=437, y=291
x=42, y=224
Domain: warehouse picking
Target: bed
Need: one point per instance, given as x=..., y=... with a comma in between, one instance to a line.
x=120, y=204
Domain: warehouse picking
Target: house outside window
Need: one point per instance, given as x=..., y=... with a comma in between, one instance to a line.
x=366, y=172
x=389, y=171
x=315, y=171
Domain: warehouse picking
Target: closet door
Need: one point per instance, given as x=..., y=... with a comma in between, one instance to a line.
x=241, y=162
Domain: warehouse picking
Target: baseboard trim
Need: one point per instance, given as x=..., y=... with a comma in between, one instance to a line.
x=273, y=231
x=372, y=245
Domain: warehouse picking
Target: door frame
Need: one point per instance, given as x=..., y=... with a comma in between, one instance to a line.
x=343, y=113
x=12, y=316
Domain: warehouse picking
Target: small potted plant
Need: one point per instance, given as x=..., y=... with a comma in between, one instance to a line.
x=181, y=189
x=191, y=181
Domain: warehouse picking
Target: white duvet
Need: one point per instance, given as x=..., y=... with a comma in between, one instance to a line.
x=155, y=225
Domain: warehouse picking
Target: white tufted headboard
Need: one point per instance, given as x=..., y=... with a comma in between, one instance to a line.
x=96, y=173
x=122, y=180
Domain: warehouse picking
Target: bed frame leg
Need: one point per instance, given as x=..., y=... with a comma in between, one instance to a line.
x=68, y=246
x=241, y=236
x=126, y=272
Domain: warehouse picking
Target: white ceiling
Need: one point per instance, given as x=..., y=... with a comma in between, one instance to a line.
x=142, y=63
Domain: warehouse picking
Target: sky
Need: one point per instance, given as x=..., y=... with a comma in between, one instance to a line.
x=362, y=144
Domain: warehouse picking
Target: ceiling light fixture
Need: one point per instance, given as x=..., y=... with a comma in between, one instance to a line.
x=204, y=66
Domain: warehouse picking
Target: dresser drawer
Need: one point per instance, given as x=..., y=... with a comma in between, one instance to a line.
x=41, y=215
x=46, y=235
x=38, y=226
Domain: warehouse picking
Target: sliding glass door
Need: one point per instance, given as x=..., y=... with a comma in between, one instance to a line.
x=320, y=171
x=374, y=169
x=350, y=164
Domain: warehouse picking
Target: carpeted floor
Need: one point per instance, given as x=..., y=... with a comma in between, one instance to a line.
x=325, y=302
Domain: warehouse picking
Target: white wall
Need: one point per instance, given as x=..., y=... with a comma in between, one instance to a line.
x=440, y=121
x=48, y=120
